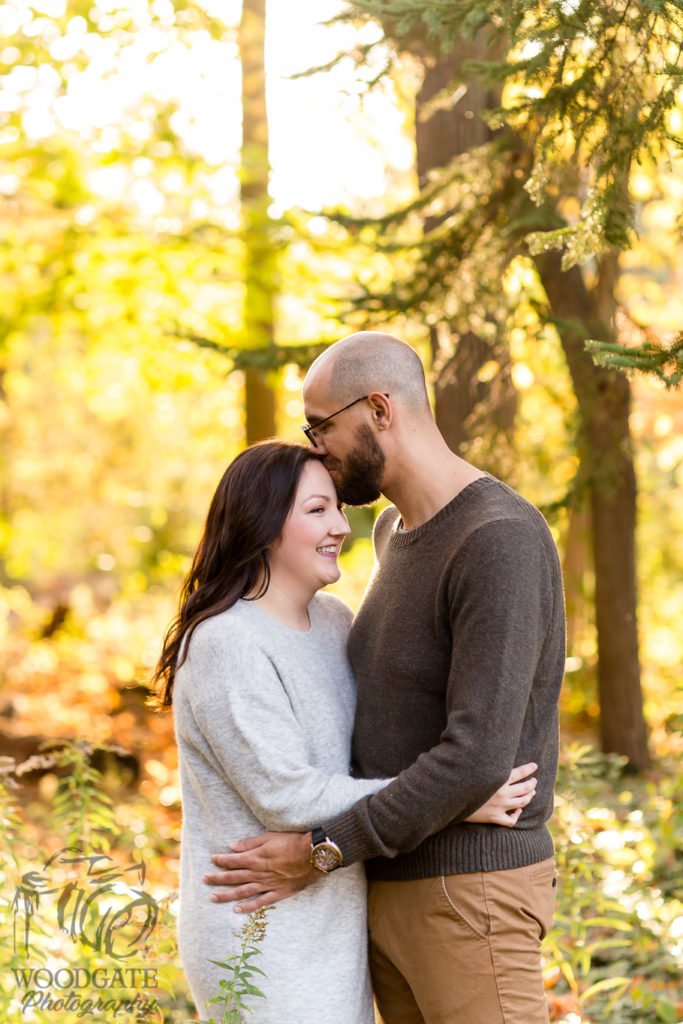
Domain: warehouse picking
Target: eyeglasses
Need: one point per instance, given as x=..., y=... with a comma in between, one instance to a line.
x=310, y=431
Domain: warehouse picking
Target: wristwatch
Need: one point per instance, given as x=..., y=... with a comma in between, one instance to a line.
x=325, y=855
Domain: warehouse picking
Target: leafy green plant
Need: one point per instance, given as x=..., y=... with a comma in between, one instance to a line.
x=611, y=950
x=238, y=988
x=82, y=811
x=60, y=871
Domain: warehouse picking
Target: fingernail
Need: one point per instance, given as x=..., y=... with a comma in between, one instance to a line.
x=238, y=910
x=214, y=898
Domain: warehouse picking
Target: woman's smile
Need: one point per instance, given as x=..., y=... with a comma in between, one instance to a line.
x=330, y=550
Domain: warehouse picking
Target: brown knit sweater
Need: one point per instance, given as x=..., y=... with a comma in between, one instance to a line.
x=458, y=650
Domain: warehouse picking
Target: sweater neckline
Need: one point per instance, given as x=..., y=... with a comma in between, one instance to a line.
x=253, y=609
x=402, y=538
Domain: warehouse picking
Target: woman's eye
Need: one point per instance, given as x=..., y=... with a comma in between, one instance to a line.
x=318, y=509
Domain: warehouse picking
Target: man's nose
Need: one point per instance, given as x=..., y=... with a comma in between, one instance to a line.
x=316, y=446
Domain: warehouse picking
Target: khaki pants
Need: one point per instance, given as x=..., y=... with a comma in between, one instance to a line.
x=462, y=949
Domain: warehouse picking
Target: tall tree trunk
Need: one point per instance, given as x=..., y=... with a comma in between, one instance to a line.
x=604, y=398
x=574, y=567
x=440, y=135
x=259, y=253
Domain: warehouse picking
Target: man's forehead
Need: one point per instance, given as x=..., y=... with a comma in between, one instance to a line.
x=316, y=393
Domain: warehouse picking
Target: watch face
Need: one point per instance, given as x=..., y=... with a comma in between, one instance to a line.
x=326, y=856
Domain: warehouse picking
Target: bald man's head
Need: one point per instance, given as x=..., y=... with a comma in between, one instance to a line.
x=371, y=361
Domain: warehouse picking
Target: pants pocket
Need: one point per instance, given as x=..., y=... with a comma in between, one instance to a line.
x=541, y=894
x=464, y=898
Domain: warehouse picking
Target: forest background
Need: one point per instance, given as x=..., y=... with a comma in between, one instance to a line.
x=189, y=214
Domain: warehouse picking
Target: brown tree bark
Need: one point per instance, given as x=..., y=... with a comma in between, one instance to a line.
x=459, y=393
x=574, y=566
x=441, y=134
x=604, y=398
x=259, y=268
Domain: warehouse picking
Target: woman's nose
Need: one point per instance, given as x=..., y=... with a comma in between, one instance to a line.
x=340, y=525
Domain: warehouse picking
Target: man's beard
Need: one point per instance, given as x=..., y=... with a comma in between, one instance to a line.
x=358, y=478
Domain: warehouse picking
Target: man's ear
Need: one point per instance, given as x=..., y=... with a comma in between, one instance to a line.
x=380, y=406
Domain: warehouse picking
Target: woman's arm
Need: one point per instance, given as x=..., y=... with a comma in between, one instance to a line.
x=507, y=803
x=235, y=719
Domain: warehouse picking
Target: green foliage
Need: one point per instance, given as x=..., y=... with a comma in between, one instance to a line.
x=70, y=904
x=590, y=97
x=590, y=84
x=110, y=245
x=82, y=812
x=611, y=952
x=664, y=362
x=263, y=358
x=237, y=991
x=12, y=826
x=442, y=256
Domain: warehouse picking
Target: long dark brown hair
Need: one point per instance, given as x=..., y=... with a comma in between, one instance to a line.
x=247, y=515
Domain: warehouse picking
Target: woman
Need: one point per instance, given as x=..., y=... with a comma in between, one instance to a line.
x=263, y=698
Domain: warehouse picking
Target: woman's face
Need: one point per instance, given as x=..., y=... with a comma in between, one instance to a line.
x=305, y=556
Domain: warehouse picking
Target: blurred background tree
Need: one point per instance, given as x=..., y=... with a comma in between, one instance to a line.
x=260, y=271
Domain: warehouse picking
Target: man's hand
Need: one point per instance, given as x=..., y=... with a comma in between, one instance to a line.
x=263, y=869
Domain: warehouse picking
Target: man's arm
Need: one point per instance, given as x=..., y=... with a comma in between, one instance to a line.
x=500, y=613
x=263, y=869
x=502, y=597
x=273, y=866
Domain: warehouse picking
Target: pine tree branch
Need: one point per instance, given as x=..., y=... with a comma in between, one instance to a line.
x=664, y=362
x=270, y=357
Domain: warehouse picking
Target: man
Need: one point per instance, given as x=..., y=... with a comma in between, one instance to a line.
x=458, y=649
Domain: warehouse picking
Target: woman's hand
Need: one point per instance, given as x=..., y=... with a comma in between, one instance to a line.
x=506, y=805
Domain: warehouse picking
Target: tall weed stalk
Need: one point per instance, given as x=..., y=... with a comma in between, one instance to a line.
x=238, y=989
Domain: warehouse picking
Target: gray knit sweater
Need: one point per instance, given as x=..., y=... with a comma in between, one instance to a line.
x=263, y=718
x=458, y=650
